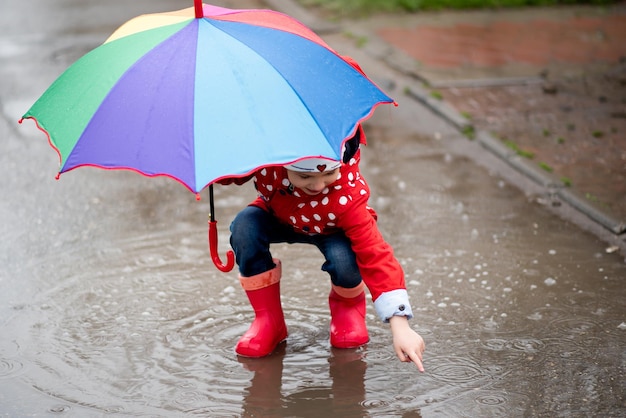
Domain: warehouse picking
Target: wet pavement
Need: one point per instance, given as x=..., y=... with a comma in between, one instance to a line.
x=551, y=105
x=111, y=306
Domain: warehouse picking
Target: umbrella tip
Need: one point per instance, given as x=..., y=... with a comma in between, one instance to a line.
x=198, y=196
x=199, y=9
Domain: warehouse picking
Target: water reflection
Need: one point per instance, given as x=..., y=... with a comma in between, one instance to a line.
x=344, y=396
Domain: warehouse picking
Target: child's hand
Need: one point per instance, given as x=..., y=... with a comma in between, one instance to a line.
x=408, y=344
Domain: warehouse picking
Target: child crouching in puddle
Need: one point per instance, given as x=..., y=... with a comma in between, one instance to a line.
x=324, y=203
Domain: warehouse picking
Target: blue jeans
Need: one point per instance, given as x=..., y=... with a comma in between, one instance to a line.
x=254, y=229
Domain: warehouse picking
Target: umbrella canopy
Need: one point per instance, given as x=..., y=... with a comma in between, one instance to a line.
x=205, y=93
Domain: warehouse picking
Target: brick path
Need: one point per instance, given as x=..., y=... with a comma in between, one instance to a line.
x=536, y=42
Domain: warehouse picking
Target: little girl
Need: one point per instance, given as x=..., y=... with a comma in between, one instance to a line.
x=321, y=202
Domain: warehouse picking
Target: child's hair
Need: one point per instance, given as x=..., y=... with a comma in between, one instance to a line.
x=352, y=145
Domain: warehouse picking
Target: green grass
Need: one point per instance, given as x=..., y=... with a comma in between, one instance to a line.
x=469, y=132
x=521, y=152
x=360, y=41
x=364, y=7
x=436, y=94
x=546, y=167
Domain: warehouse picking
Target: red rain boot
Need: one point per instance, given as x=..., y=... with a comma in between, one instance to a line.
x=347, y=311
x=268, y=328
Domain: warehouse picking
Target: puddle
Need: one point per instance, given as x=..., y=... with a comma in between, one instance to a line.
x=111, y=306
x=133, y=319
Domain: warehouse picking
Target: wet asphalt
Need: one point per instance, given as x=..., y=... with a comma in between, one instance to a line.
x=512, y=293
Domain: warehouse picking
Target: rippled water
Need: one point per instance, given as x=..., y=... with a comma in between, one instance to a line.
x=522, y=313
x=110, y=305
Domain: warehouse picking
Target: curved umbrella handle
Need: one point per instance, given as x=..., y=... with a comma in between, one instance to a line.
x=230, y=255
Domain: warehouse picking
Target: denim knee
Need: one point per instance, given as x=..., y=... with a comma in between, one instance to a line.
x=247, y=225
x=250, y=241
x=341, y=263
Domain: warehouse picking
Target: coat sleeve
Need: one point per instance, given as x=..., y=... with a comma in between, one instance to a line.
x=377, y=263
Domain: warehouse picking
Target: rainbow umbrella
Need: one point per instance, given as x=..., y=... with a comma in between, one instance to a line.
x=203, y=94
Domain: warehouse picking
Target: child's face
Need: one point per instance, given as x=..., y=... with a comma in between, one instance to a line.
x=312, y=183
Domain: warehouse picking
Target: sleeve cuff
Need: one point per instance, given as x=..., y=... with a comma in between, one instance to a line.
x=394, y=303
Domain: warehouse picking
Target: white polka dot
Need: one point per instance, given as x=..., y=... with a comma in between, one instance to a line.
x=301, y=205
x=352, y=161
x=293, y=219
x=296, y=194
x=330, y=224
x=318, y=229
x=325, y=191
x=325, y=201
x=338, y=187
x=305, y=219
x=314, y=203
x=270, y=187
x=363, y=192
x=264, y=172
x=317, y=217
x=351, y=184
x=285, y=182
x=332, y=216
x=351, y=176
x=339, y=176
x=343, y=200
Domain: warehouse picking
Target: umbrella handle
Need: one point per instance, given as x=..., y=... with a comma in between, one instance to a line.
x=230, y=255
